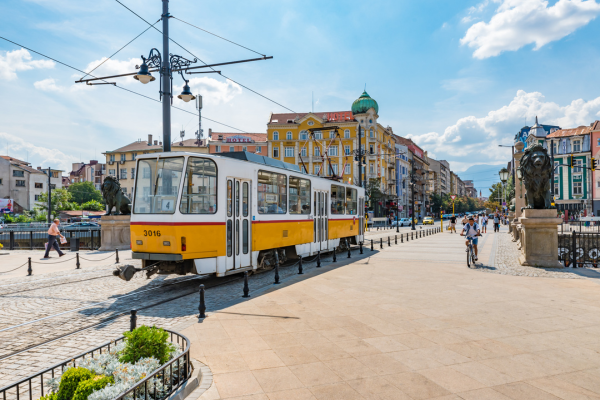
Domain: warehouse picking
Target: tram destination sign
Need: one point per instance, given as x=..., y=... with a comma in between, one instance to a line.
x=239, y=139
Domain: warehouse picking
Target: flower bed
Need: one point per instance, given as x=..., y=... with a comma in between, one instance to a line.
x=142, y=365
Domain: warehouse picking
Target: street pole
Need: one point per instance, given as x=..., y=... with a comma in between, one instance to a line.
x=359, y=157
x=166, y=79
x=49, y=196
x=412, y=193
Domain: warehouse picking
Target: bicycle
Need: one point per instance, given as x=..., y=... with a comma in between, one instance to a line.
x=470, y=252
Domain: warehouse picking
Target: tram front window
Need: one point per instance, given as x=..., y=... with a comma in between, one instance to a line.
x=157, y=185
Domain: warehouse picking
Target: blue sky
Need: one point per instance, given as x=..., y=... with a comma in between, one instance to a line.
x=459, y=77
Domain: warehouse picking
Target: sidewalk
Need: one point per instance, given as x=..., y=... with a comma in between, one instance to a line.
x=16, y=261
x=409, y=322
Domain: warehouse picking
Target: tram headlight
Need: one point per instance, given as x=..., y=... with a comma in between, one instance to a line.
x=139, y=242
x=165, y=243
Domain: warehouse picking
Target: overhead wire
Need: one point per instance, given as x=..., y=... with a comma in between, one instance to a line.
x=203, y=62
x=113, y=54
x=120, y=87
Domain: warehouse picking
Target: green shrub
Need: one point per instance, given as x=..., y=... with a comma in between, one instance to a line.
x=70, y=380
x=50, y=396
x=144, y=342
x=85, y=388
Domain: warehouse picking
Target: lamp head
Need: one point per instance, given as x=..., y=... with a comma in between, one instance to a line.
x=186, y=95
x=144, y=75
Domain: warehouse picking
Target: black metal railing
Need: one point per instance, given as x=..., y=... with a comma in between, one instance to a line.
x=171, y=375
x=35, y=238
x=579, y=226
x=579, y=249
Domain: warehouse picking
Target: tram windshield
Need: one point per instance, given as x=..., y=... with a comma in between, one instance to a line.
x=157, y=185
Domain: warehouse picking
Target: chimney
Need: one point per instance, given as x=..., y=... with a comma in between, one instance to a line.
x=156, y=142
x=210, y=133
x=160, y=143
x=149, y=140
x=39, y=168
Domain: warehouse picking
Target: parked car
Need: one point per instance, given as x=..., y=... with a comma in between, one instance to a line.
x=79, y=226
x=428, y=221
x=402, y=222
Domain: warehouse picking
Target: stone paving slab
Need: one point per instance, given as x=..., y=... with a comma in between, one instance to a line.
x=409, y=322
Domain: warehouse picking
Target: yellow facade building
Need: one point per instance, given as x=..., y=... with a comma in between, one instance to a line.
x=288, y=137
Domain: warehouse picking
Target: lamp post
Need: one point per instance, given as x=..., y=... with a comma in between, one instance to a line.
x=199, y=108
x=504, y=177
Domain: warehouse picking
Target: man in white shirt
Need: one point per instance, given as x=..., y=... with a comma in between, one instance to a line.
x=471, y=231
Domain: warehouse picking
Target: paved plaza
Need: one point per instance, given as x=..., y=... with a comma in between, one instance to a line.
x=410, y=321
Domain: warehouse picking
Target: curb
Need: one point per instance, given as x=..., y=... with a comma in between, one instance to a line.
x=195, y=386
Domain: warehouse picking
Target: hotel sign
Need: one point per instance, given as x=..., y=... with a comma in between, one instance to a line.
x=239, y=139
x=340, y=116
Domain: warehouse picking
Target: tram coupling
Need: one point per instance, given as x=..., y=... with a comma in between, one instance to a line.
x=126, y=272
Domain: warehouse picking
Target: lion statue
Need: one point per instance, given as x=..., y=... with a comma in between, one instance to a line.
x=536, y=170
x=114, y=197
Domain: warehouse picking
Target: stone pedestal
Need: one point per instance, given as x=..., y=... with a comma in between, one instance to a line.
x=539, y=238
x=115, y=232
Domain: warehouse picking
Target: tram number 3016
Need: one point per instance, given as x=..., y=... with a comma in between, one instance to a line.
x=151, y=233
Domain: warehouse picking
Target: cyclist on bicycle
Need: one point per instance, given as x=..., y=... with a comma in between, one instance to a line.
x=471, y=231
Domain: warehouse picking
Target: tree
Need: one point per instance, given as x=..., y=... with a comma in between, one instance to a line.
x=61, y=201
x=92, y=205
x=82, y=192
x=373, y=191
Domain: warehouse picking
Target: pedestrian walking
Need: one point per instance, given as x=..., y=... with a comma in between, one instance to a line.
x=453, y=223
x=496, y=223
x=53, y=233
x=484, y=222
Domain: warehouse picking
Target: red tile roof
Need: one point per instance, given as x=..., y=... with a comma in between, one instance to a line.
x=285, y=117
x=581, y=130
x=596, y=126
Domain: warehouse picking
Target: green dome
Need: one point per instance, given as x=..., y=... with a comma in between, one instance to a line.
x=363, y=103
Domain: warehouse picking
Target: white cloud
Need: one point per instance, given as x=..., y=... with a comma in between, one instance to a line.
x=36, y=155
x=517, y=23
x=48, y=85
x=19, y=60
x=113, y=67
x=214, y=91
x=472, y=140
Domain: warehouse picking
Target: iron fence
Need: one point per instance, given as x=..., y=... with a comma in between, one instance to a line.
x=171, y=375
x=35, y=238
x=580, y=226
x=579, y=249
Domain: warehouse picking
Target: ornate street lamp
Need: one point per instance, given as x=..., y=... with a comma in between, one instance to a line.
x=504, y=175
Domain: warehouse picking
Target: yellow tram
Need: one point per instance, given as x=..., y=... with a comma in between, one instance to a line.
x=229, y=213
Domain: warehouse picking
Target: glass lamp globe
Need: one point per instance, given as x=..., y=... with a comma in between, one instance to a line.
x=186, y=95
x=143, y=75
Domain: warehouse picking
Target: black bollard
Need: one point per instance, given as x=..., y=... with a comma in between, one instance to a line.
x=276, y=268
x=360, y=244
x=395, y=239
x=246, y=288
x=29, y=269
x=371, y=244
x=334, y=257
x=117, y=254
x=319, y=259
x=77, y=263
x=401, y=238
x=202, y=306
x=389, y=244
x=381, y=243
x=300, y=272
x=133, y=320
x=349, y=250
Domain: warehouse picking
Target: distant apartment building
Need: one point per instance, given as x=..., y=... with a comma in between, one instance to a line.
x=24, y=184
x=470, y=188
x=224, y=142
x=91, y=172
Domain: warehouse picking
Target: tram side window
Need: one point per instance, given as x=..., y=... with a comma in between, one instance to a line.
x=299, y=195
x=272, y=193
x=351, y=205
x=157, y=185
x=199, y=187
x=338, y=196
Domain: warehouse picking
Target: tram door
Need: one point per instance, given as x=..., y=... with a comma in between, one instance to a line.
x=320, y=222
x=361, y=215
x=238, y=229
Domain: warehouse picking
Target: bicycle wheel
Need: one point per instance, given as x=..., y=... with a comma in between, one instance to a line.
x=469, y=258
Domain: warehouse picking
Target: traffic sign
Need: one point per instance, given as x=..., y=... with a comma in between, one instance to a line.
x=453, y=196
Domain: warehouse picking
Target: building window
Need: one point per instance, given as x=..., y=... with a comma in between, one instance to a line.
x=597, y=184
x=556, y=189
x=334, y=169
x=124, y=190
x=20, y=183
x=371, y=150
x=578, y=166
x=231, y=148
x=371, y=169
x=303, y=135
x=244, y=148
x=0, y=181
x=39, y=185
x=371, y=133
x=347, y=150
x=317, y=151
x=333, y=151
x=272, y=193
x=18, y=173
x=347, y=134
x=275, y=152
x=318, y=135
x=133, y=156
x=347, y=169
x=37, y=197
x=123, y=157
x=289, y=152
x=258, y=149
x=577, y=188
x=310, y=123
x=289, y=136
x=53, y=186
x=124, y=173
x=217, y=149
x=576, y=145
x=275, y=135
x=132, y=173
x=111, y=157
x=554, y=147
x=331, y=134
x=303, y=152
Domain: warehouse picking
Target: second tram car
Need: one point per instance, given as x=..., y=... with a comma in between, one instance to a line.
x=223, y=214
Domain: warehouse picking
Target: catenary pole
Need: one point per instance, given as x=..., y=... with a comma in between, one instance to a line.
x=166, y=79
x=49, y=196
